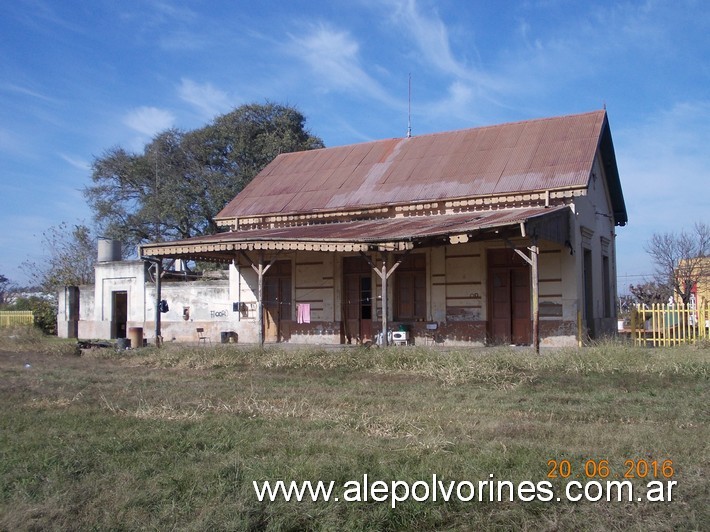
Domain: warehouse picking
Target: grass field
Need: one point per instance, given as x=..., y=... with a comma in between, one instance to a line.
x=173, y=439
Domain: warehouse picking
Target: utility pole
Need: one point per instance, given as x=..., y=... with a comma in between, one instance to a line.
x=158, y=263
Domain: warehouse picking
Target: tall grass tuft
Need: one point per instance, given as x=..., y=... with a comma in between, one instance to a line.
x=32, y=339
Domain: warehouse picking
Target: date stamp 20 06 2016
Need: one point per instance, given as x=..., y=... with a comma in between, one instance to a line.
x=595, y=480
x=602, y=469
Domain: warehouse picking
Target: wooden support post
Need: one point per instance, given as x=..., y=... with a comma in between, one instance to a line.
x=260, y=270
x=384, y=274
x=535, y=277
x=532, y=260
x=158, y=298
x=260, y=298
x=158, y=263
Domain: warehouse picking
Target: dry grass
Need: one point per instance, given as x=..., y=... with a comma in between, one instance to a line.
x=173, y=438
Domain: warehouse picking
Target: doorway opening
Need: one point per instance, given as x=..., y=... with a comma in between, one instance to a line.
x=357, y=300
x=119, y=314
x=509, y=313
x=277, y=302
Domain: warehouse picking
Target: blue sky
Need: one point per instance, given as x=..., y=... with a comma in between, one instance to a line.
x=81, y=77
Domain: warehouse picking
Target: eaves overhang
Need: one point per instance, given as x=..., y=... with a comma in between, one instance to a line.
x=388, y=234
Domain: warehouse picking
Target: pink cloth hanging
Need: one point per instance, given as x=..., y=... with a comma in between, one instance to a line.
x=304, y=313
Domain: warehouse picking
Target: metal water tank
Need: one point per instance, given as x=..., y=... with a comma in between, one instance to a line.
x=109, y=250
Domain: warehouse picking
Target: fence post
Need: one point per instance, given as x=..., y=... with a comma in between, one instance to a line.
x=16, y=317
x=670, y=325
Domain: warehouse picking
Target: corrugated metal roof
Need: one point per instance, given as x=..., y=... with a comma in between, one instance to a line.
x=355, y=232
x=535, y=155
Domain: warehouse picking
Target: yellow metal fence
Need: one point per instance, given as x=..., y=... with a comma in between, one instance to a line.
x=9, y=318
x=666, y=325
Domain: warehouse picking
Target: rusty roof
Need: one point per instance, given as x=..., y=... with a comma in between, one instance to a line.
x=535, y=155
x=353, y=235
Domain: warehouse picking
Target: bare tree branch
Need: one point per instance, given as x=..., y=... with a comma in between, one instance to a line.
x=681, y=259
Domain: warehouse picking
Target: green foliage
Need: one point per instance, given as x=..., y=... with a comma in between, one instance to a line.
x=45, y=312
x=24, y=339
x=4, y=288
x=182, y=179
x=651, y=292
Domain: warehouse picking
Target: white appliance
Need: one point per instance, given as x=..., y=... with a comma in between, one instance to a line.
x=400, y=337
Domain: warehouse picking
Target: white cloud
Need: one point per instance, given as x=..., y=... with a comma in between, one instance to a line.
x=431, y=36
x=11, y=87
x=467, y=85
x=458, y=101
x=174, y=13
x=149, y=120
x=334, y=58
x=76, y=163
x=208, y=99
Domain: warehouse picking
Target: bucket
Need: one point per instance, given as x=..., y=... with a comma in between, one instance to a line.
x=122, y=344
x=136, y=336
x=228, y=337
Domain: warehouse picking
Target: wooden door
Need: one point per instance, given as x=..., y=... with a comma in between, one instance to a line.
x=357, y=299
x=277, y=301
x=509, y=314
x=521, y=318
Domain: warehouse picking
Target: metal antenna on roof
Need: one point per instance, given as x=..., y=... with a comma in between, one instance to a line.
x=409, y=110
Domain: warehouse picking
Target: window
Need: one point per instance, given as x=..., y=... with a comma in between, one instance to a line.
x=606, y=280
x=410, y=289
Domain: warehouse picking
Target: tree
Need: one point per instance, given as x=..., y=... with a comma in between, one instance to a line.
x=44, y=310
x=681, y=259
x=651, y=292
x=182, y=179
x=4, y=289
x=71, y=255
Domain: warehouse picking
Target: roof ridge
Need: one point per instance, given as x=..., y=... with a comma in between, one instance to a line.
x=448, y=132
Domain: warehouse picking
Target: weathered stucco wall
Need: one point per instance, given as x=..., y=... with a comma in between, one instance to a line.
x=204, y=303
x=315, y=285
x=594, y=231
